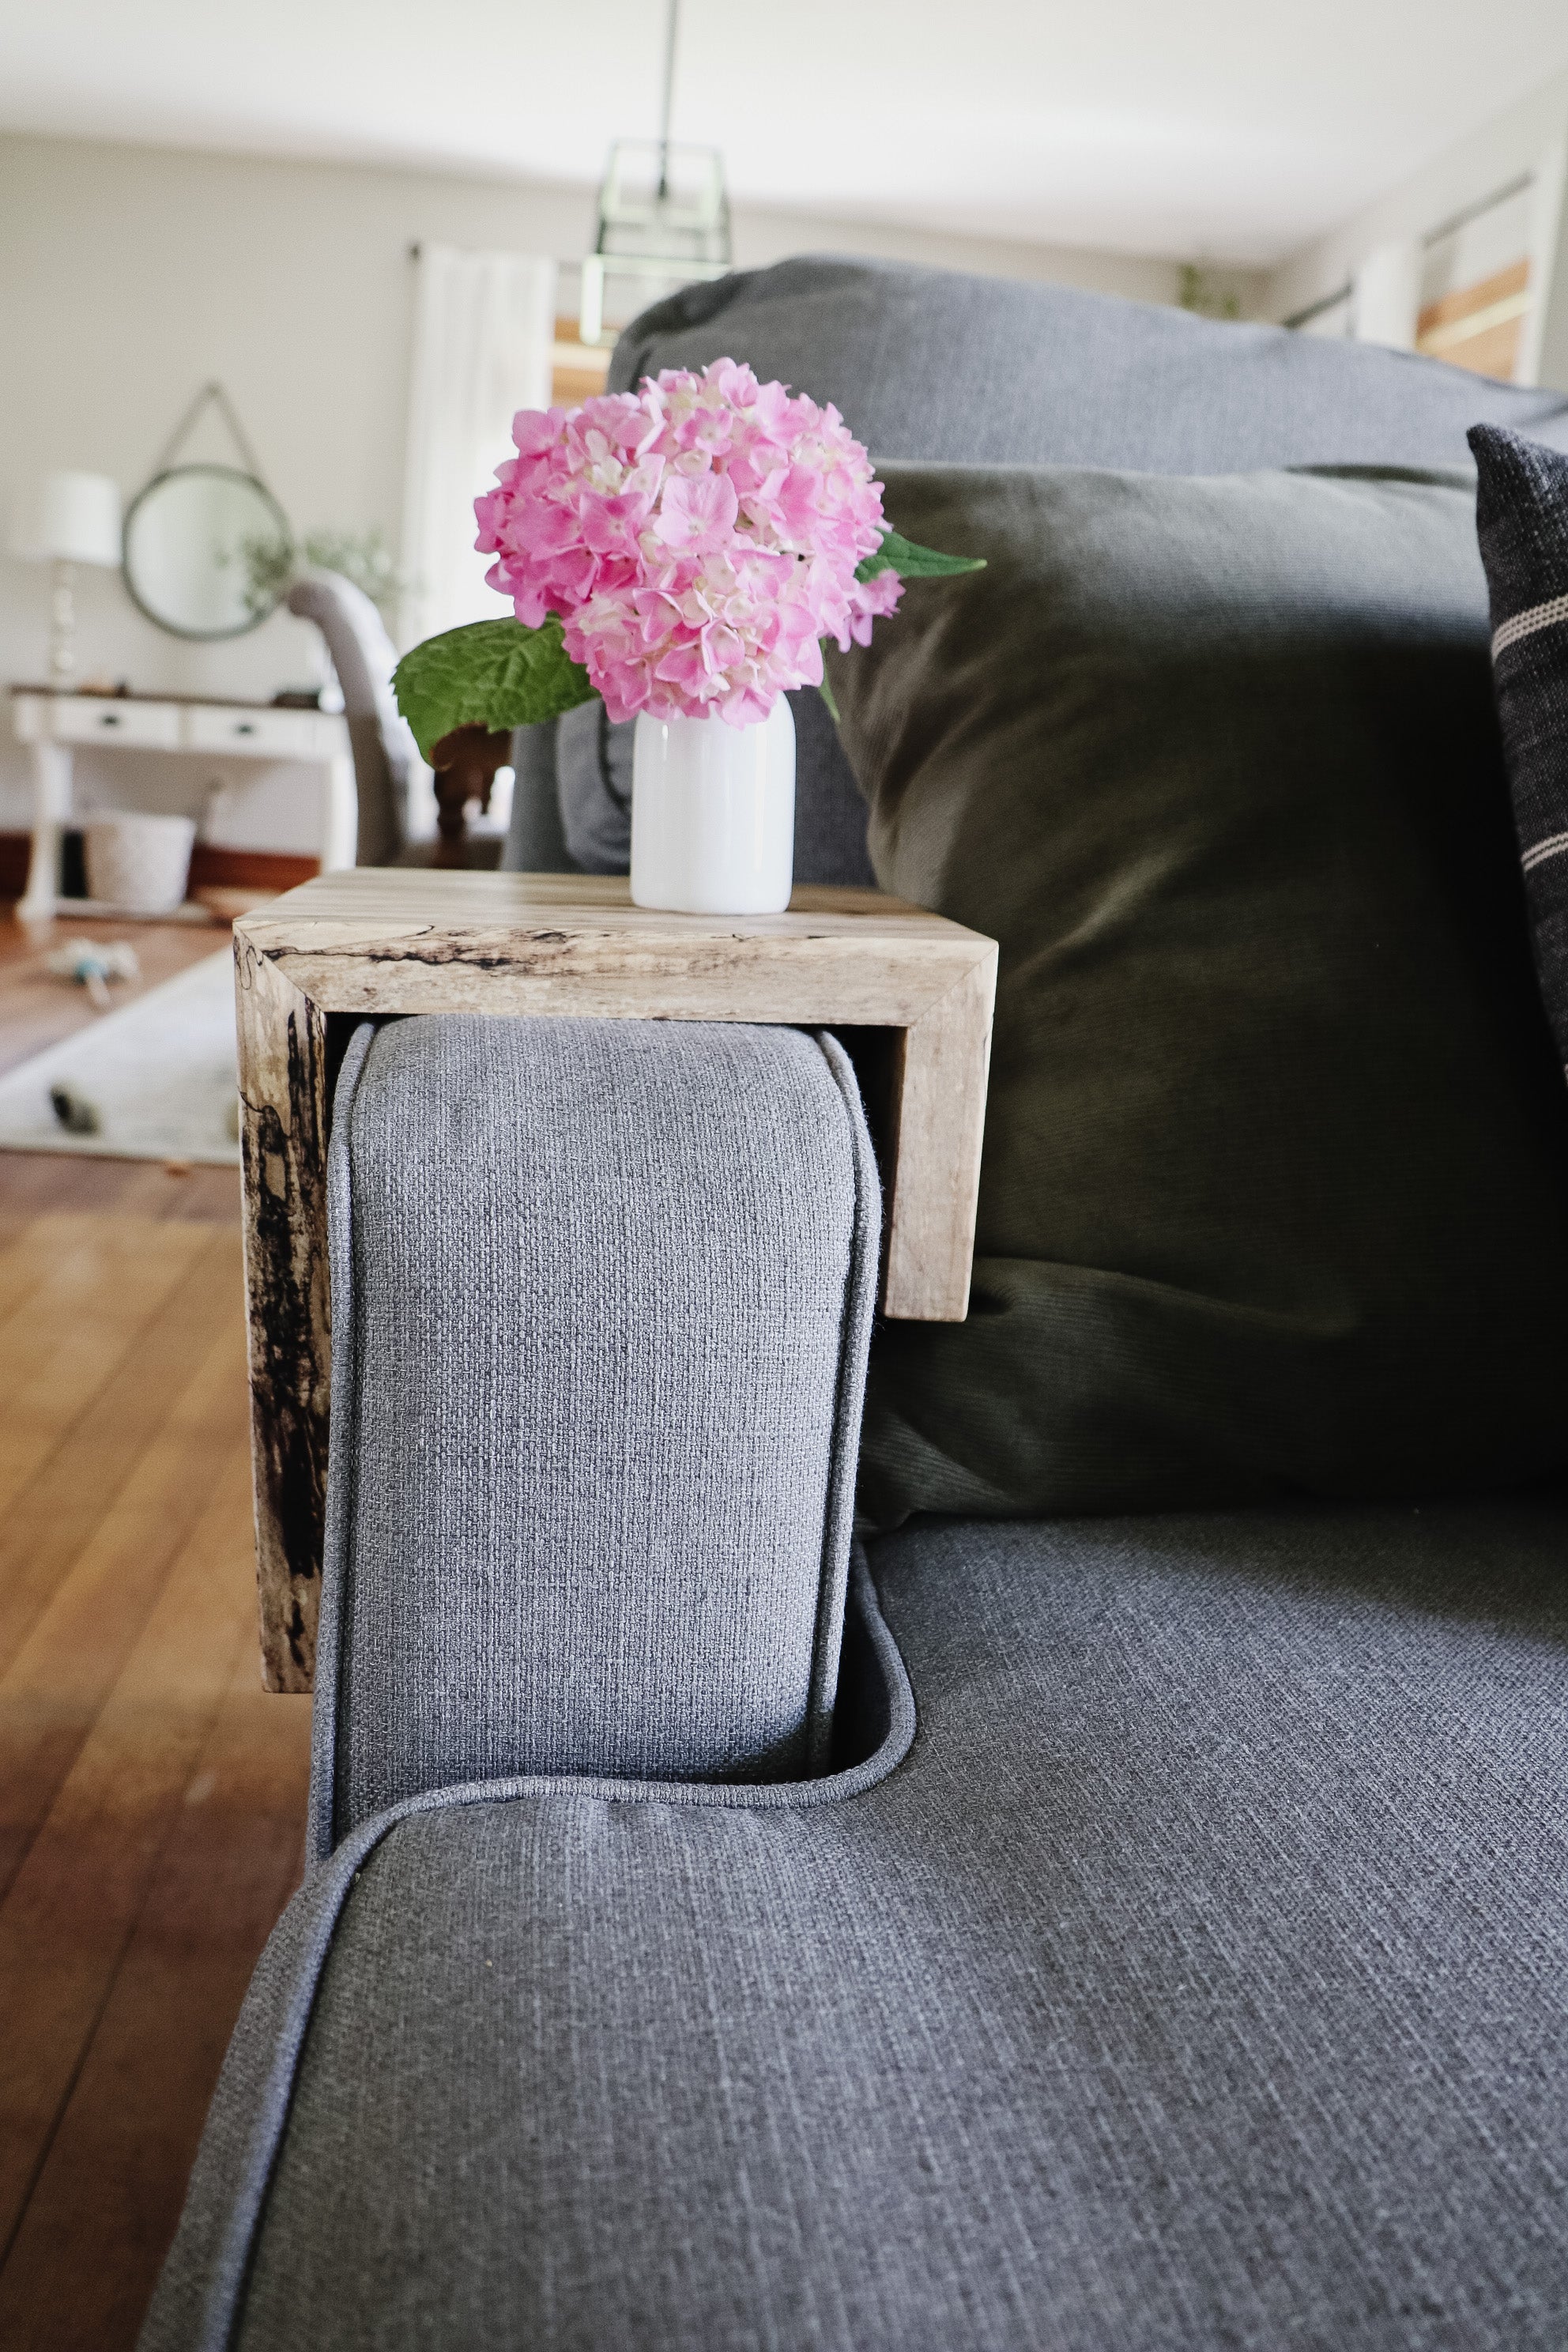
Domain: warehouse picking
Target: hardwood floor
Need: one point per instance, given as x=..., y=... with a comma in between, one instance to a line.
x=151, y=1796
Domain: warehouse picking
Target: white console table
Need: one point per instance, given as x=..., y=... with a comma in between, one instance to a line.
x=54, y=724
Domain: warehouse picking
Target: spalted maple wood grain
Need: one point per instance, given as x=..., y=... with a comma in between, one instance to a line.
x=283, y=1151
x=377, y=941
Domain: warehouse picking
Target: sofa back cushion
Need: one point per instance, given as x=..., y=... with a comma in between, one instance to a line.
x=944, y=364
x=1275, y=1195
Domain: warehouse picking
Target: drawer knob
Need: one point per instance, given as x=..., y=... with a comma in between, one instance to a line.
x=245, y=727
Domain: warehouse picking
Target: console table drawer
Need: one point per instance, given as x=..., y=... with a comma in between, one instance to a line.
x=154, y=725
x=54, y=724
x=270, y=734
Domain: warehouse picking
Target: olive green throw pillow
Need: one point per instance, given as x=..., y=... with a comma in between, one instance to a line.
x=1275, y=1194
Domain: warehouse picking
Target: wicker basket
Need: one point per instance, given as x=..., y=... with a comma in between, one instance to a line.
x=141, y=863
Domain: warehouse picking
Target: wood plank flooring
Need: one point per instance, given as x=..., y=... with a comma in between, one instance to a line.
x=37, y=1009
x=151, y=1796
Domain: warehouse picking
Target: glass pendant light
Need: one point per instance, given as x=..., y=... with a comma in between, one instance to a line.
x=663, y=217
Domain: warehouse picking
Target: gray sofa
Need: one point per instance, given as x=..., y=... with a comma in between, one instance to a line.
x=929, y=364
x=1139, y=1934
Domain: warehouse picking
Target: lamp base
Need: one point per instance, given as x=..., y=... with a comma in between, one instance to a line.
x=62, y=627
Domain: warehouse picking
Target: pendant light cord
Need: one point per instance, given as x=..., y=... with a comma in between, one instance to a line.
x=668, y=100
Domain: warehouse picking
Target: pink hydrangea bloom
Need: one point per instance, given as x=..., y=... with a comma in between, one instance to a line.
x=697, y=539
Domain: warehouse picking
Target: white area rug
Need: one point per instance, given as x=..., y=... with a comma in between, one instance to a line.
x=160, y=1073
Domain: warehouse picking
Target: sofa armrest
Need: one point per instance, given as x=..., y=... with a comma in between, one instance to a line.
x=602, y=1298
x=535, y=842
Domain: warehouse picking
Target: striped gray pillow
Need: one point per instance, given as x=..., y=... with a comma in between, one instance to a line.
x=1521, y=514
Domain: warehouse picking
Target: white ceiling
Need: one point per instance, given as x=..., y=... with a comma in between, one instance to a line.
x=1230, y=128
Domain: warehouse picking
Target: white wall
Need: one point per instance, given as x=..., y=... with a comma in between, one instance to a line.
x=129, y=276
x=1518, y=141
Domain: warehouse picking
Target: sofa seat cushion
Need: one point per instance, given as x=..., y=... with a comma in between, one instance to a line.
x=1196, y=1980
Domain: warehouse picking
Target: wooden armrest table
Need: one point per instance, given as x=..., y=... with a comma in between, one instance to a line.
x=391, y=940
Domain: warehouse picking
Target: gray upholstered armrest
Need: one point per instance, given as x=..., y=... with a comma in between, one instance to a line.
x=602, y=1295
x=535, y=842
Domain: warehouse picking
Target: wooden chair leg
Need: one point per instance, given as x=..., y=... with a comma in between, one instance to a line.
x=465, y=762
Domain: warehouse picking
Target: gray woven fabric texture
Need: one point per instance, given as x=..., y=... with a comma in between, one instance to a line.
x=939, y=363
x=535, y=843
x=203, y=2280
x=1195, y=1984
x=602, y=1297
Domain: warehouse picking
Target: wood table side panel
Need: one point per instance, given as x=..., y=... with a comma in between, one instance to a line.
x=940, y=1098
x=283, y=1137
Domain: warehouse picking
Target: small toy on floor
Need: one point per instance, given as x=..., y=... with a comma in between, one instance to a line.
x=75, y=1113
x=92, y=964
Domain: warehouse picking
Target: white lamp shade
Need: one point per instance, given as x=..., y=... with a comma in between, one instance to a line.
x=76, y=515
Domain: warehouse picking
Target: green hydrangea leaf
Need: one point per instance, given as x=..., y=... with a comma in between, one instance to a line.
x=911, y=563
x=494, y=673
x=826, y=690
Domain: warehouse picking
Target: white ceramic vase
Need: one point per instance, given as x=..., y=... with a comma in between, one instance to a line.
x=713, y=814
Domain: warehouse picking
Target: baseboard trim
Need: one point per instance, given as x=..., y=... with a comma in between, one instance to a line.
x=212, y=867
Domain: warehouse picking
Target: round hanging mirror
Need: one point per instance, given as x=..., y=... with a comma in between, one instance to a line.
x=207, y=551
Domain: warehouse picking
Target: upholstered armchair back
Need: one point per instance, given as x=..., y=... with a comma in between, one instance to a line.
x=364, y=659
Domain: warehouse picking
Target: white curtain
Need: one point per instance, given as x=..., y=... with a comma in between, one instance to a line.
x=484, y=324
x=1387, y=298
